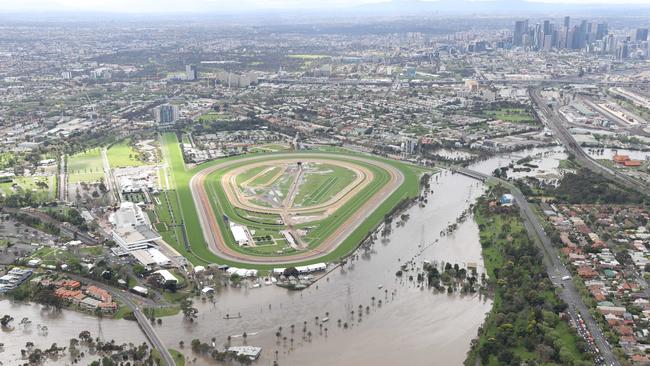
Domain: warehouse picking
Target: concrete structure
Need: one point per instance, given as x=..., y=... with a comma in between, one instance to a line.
x=151, y=257
x=140, y=237
x=132, y=229
x=129, y=215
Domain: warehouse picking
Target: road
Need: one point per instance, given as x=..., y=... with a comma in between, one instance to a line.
x=62, y=185
x=110, y=180
x=554, y=267
x=556, y=123
x=130, y=300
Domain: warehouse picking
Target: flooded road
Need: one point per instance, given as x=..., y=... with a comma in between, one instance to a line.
x=399, y=321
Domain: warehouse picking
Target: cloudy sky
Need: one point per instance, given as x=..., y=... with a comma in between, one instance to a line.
x=139, y=6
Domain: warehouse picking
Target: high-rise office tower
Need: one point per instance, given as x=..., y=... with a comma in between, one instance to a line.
x=581, y=37
x=538, y=36
x=547, y=27
x=165, y=114
x=190, y=72
x=641, y=34
x=623, y=51
x=548, y=42
x=567, y=22
x=611, y=43
x=521, y=28
x=601, y=31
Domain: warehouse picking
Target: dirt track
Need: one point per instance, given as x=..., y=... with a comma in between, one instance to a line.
x=214, y=236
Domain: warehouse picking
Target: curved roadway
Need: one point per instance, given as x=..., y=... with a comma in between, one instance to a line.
x=215, y=239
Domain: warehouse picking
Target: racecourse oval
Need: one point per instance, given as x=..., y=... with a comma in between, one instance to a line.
x=205, y=192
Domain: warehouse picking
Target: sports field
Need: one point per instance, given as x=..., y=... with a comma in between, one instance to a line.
x=121, y=155
x=330, y=204
x=85, y=167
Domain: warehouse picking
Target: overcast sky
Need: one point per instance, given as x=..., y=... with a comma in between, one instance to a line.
x=144, y=6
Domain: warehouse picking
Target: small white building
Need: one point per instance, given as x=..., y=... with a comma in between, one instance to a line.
x=168, y=277
x=142, y=291
x=311, y=268
x=251, y=352
x=199, y=269
x=241, y=234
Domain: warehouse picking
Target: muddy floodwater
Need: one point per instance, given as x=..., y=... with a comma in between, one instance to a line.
x=60, y=325
x=404, y=324
x=411, y=322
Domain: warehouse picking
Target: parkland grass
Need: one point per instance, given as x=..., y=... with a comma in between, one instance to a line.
x=122, y=155
x=85, y=167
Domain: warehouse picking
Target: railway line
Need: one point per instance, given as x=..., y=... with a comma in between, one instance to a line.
x=555, y=122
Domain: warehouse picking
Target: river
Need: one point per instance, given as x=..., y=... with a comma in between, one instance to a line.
x=411, y=323
x=61, y=326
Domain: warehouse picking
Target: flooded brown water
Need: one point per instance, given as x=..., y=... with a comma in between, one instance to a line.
x=61, y=326
x=412, y=326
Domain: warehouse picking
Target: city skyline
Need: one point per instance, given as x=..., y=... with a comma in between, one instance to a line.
x=309, y=182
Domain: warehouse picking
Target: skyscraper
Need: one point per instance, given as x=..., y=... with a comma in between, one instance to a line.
x=190, y=72
x=641, y=34
x=521, y=28
x=165, y=114
x=547, y=27
x=601, y=31
x=567, y=22
x=623, y=51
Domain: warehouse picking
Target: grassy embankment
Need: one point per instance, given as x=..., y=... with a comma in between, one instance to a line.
x=178, y=357
x=524, y=324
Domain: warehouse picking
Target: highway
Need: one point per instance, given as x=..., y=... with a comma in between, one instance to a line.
x=556, y=123
x=554, y=267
